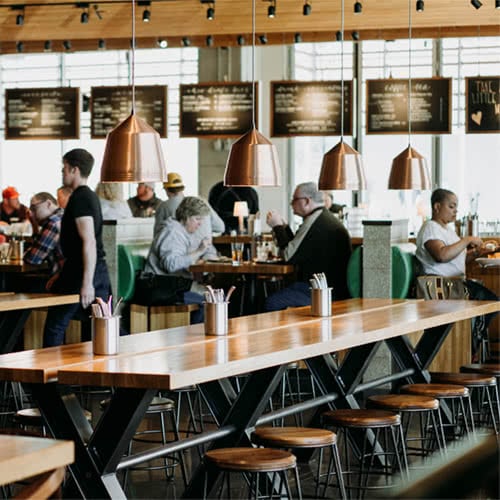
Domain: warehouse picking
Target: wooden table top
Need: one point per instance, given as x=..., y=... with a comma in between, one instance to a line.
x=243, y=268
x=42, y=365
x=22, y=457
x=19, y=266
x=10, y=301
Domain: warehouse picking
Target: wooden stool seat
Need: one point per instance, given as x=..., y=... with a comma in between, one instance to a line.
x=361, y=418
x=251, y=459
x=436, y=390
x=293, y=437
x=158, y=404
x=404, y=402
x=490, y=368
x=32, y=417
x=466, y=379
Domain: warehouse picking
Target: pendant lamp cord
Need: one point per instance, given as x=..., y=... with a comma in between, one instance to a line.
x=409, y=72
x=253, y=64
x=132, y=71
x=342, y=71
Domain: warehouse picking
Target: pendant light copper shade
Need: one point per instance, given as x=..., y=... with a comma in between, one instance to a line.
x=133, y=153
x=342, y=168
x=252, y=161
x=409, y=171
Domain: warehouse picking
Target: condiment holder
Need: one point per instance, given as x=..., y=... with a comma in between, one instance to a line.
x=105, y=328
x=321, y=296
x=216, y=311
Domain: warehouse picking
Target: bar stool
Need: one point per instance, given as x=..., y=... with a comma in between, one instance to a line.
x=303, y=438
x=426, y=409
x=254, y=462
x=483, y=393
x=162, y=407
x=459, y=398
x=382, y=424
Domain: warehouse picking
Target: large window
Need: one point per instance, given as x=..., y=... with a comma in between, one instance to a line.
x=34, y=166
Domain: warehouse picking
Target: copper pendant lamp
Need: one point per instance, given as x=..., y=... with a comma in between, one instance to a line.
x=253, y=159
x=133, y=150
x=409, y=168
x=342, y=166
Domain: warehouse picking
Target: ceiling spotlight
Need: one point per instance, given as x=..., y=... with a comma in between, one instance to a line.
x=241, y=40
x=420, y=5
x=355, y=35
x=47, y=46
x=101, y=44
x=271, y=10
x=358, y=8
x=263, y=39
x=297, y=38
x=19, y=19
x=146, y=16
x=98, y=13
x=209, y=40
x=67, y=45
x=84, y=17
x=19, y=46
x=186, y=42
x=306, y=10
x=497, y=4
x=211, y=13
x=476, y=3
x=162, y=43
x=338, y=36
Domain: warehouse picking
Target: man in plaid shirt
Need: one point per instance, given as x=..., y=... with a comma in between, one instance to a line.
x=46, y=220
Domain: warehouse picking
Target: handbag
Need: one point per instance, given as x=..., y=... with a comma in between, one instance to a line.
x=160, y=289
x=431, y=287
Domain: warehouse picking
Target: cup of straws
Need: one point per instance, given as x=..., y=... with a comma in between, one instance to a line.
x=215, y=309
x=105, y=327
x=321, y=295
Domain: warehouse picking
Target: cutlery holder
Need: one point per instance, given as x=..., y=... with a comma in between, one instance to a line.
x=321, y=301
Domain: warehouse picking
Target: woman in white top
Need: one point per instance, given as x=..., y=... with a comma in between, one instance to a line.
x=442, y=252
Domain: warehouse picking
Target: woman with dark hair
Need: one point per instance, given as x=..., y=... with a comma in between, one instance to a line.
x=440, y=251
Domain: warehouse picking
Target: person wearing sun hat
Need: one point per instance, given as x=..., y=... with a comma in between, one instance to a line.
x=174, y=188
x=145, y=203
x=11, y=209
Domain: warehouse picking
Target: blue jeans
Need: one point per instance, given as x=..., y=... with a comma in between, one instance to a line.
x=295, y=295
x=195, y=298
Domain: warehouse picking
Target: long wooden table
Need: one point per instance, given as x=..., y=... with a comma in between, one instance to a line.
x=15, y=309
x=22, y=457
x=261, y=346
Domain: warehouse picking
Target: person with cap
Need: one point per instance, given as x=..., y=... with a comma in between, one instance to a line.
x=174, y=188
x=11, y=209
x=145, y=203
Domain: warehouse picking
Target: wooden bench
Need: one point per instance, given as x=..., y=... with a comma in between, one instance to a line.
x=131, y=259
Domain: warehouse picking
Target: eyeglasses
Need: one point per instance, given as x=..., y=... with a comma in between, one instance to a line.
x=34, y=206
x=293, y=200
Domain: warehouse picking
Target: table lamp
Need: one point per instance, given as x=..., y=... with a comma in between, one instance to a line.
x=240, y=210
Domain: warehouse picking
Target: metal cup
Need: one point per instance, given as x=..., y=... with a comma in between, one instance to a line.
x=106, y=335
x=321, y=301
x=216, y=318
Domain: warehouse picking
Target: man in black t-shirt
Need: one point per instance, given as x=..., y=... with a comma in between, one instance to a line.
x=84, y=270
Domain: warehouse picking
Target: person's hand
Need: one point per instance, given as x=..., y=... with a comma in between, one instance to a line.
x=274, y=218
x=204, y=244
x=87, y=295
x=474, y=242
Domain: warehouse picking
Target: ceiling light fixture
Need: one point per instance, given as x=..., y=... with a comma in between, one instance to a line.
x=497, y=4
x=409, y=168
x=306, y=9
x=98, y=13
x=162, y=43
x=133, y=151
x=253, y=159
x=339, y=36
x=355, y=35
x=84, y=16
x=101, y=44
x=358, y=8
x=342, y=166
x=271, y=10
x=241, y=40
x=67, y=45
x=420, y=5
x=20, y=15
x=263, y=39
x=297, y=38
x=211, y=12
x=146, y=13
x=186, y=42
x=476, y=3
x=47, y=46
x=20, y=47
x=209, y=41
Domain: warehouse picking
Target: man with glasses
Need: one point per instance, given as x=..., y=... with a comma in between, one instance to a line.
x=321, y=245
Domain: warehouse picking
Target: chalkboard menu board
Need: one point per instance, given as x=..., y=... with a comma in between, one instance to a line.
x=482, y=104
x=45, y=113
x=110, y=105
x=310, y=108
x=387, y=103
x=212, y=110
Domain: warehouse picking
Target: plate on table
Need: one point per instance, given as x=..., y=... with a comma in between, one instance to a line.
x=485, y=262
x=269, y=261
x=220, y=260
